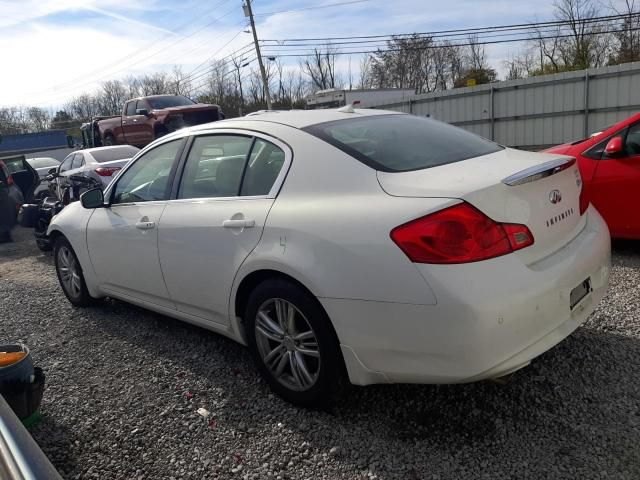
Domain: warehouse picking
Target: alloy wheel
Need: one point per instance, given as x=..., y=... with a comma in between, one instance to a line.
x=69, y=272
x=287, y=344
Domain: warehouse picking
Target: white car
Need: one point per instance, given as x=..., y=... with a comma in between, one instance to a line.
x=89, y=168
x=384, y=246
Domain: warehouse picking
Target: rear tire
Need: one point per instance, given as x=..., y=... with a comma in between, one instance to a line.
x=70, y=274
x=293, y=345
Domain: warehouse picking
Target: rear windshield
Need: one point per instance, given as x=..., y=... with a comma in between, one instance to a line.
x=43, y=162
x=115, y=153
x=401, y=143
x=169, y=101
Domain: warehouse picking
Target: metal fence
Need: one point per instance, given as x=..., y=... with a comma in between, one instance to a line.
x=536, y=112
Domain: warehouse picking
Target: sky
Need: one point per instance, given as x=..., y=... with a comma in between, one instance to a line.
x=52, y=50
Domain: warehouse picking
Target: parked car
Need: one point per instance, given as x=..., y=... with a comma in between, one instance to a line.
x=85, y=169
x=609, y=162
x=144, y=119
x=18, y=181
x=43, y=166
x=384, y=246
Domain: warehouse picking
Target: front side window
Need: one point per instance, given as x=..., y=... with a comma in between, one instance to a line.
x=131, y=108
x=148, y=178
x=401, y=143
x=215, y=166
x=632, y=142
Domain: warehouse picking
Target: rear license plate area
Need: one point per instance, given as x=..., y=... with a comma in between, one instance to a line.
x=578, y=293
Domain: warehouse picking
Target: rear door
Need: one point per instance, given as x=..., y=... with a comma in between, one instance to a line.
x=615, y=187
x=229, y=182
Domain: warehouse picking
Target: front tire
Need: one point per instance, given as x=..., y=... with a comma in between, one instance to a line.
x=293, y=345
x=70, y=274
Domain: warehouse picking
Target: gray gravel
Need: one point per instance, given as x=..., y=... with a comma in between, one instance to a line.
x=124, y=387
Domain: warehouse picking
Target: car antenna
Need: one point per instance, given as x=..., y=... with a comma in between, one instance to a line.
x=349, y=108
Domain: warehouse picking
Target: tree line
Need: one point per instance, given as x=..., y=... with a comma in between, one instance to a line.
x=418, y=62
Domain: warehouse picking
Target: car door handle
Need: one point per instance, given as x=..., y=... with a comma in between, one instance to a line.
x=145, y=225
x=239, y=223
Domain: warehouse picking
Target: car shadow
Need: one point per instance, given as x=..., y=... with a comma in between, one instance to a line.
x=57, y=441
x=570, y=392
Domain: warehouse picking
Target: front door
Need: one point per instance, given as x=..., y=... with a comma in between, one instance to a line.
x=227, y=189
x=615, y=188
x=123, y=238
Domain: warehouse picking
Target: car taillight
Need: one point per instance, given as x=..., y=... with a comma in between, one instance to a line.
x=107, y=171
x=584, y=198
x=459, y=234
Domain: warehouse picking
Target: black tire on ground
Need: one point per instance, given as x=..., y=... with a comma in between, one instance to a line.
x=328, y=370
x=70, y=274
x=108, y=140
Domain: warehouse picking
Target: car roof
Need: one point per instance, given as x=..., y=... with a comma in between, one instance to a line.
x=296, y=118
x=101, y=149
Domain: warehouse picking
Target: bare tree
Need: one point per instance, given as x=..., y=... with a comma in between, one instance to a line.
x=364, y=78
x=39, y=119
x=112, y=97
x=179, y=82
x=628, y=36
x=587, y=45
x=320, y=67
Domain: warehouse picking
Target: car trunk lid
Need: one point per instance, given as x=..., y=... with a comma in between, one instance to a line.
x=540, y=191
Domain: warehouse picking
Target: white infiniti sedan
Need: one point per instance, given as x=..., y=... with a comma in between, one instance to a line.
x=361, y=244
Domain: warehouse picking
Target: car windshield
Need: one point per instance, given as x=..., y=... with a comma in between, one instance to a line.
x=401, y=143
x=115, y=153
x=169, y=101
x=43, y=162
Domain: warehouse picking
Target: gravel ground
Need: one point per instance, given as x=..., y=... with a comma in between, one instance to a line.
x=124, y=387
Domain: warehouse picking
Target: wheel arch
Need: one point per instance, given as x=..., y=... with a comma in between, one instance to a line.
x=250, y=281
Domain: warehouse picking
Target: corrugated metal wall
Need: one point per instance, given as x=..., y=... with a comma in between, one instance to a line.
x=535, y=112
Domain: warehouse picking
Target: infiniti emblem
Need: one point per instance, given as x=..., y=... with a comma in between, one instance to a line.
x=555, y=196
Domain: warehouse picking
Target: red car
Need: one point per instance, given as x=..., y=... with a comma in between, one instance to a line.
x=609, y=162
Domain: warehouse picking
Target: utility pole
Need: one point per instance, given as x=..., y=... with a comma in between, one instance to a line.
x=249, y=13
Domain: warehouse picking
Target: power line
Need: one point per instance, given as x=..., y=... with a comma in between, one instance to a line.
x=155, y=53
x=463, y=31
x=432, y=47
x=312, y=7
x=131, y=55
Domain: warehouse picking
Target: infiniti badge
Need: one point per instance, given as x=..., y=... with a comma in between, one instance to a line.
x=555, y=196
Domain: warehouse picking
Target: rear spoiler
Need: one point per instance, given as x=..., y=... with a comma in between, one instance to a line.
x=537, y=172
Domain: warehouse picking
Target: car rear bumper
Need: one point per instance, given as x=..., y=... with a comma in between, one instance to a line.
x=491, y=317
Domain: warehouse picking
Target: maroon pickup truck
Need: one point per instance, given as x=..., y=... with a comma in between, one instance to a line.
x=146, y=118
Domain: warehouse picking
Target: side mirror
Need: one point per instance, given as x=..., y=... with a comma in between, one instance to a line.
x=142, y=111
x=52, y=171
x=92, y=198
x=614, y=147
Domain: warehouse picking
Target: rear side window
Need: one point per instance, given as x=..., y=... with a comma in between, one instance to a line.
x=215, y=166
x=78, y=161
x=401, y=143
x=114, y=153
